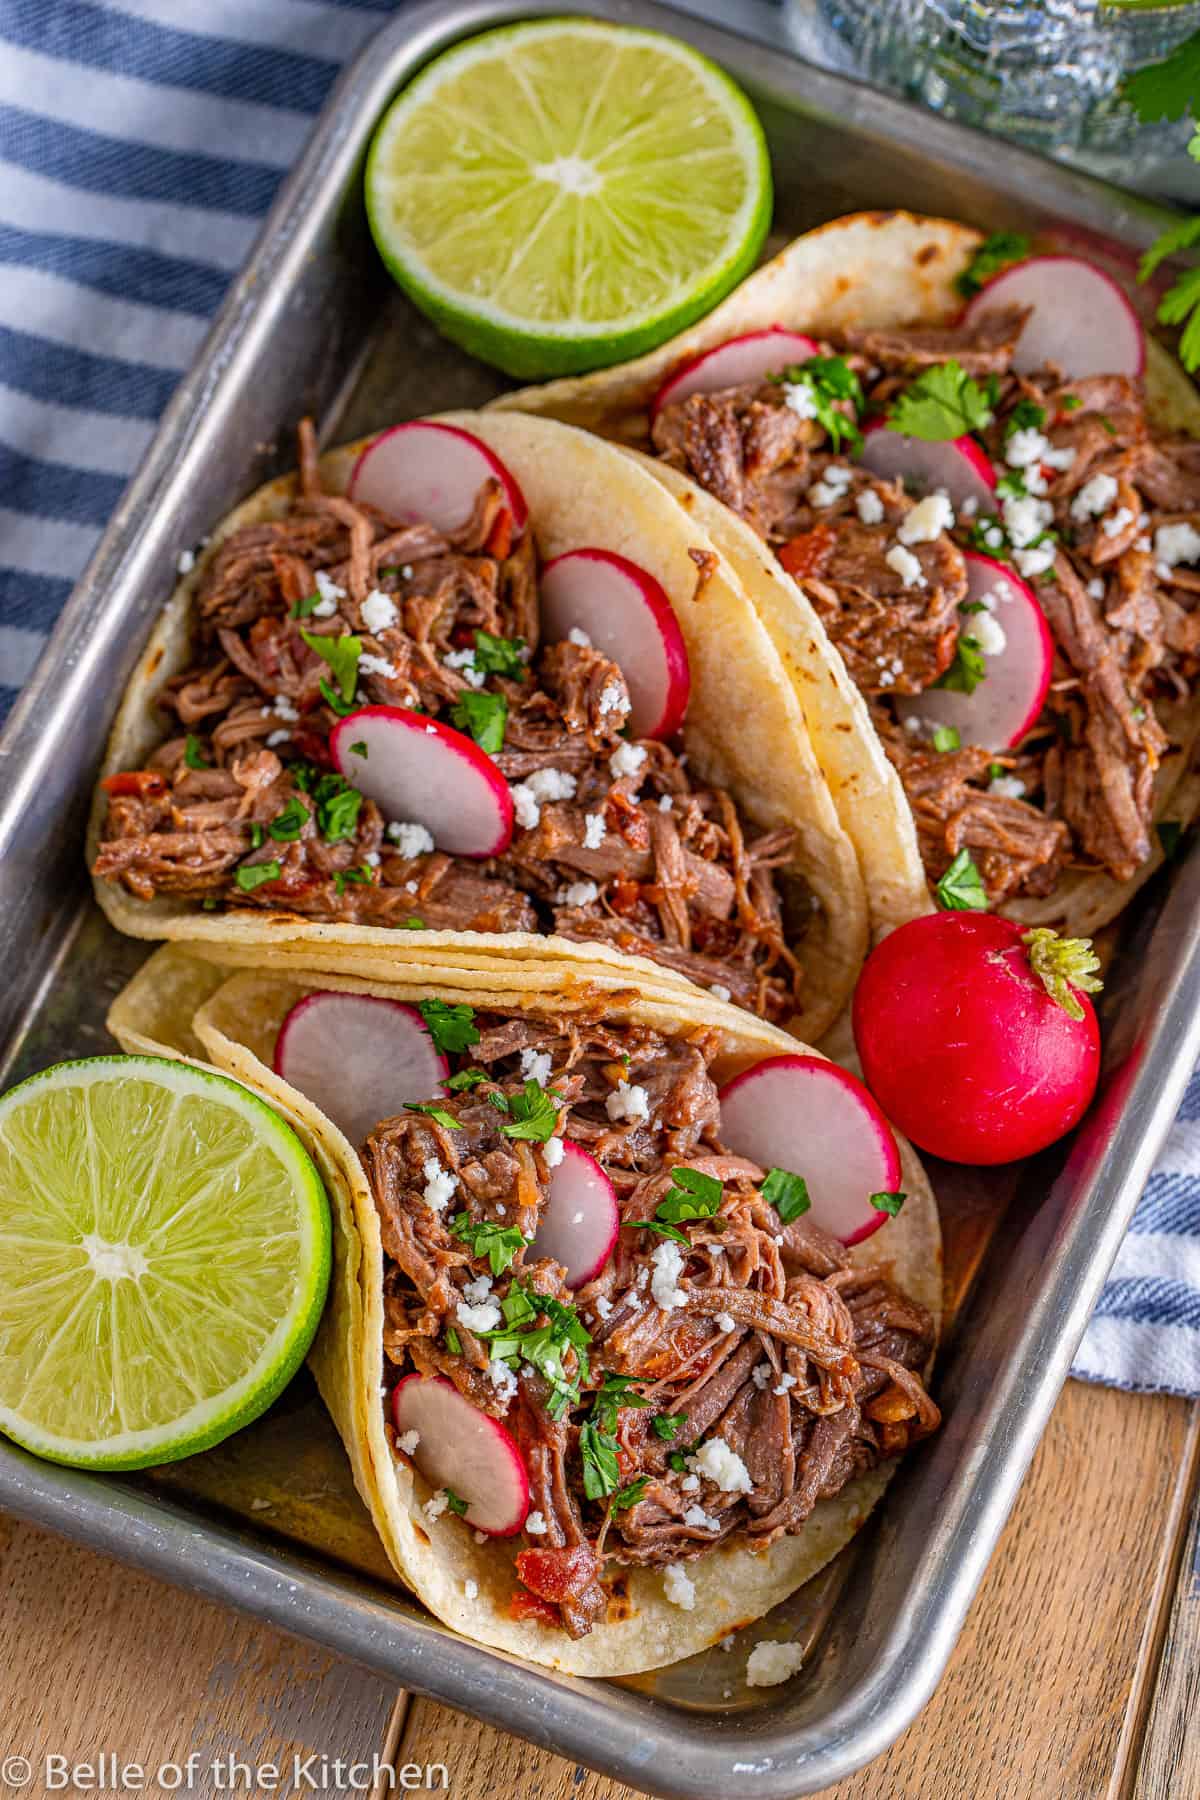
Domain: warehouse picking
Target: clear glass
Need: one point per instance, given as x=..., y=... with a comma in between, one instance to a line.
x=1046, y=72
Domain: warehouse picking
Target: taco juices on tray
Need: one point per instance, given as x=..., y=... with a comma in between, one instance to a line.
x=609, y=1384
x=986, y=532
x=479, y=679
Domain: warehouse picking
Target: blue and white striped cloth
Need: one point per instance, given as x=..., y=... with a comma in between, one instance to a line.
x=141, y=141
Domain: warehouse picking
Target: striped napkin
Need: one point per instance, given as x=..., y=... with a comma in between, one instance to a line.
x=141, y=142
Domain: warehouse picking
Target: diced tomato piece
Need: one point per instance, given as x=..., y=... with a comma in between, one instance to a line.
x=624, y=895
x=313, y=747
x=524, y=1605
x=557, y=1575
x=148, y=784
x=808, y=553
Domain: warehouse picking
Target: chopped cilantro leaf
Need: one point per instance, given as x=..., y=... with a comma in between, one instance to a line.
x=534, y=1114
x=499, y=1243
x=359, y=877
x=359, y=749
x=256, y=874
x=342, y=654
x=946, y=738
x=830, y=379
x=1026, y=415
x=1070, y=403
x=678, y=1461
x=629, y=1495
x=452, y=1028
x=598, y=1454
x=995, y=253
x=286, y=826
x=337, y=806
x=467, y=1078
x=412, y=923
x=303, y=609
x=334, y=700
x=668, y=1425
x=667, y=1231
x=961, y=888
x=256, y=834
x=787, y=1193
x=943, y=402
x=435, y=1111
x=1011, y=486
x=616, y=1391
x=499, y=655
x=193, y=756
x=967, y=670
x=455, y=1502
x=453, y=1341
x=484, y=716
x=888, y=1203
x=694, y=1196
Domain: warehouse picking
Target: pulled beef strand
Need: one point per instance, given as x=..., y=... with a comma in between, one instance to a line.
x=807, y=1366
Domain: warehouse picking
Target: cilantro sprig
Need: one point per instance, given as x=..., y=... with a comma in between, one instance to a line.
x=499, y=655
x=1171, y=90
x=342, y=654
x=961, y=888
x=484, y=716
x=888, y=1202
x=787, y=1193
x=533, y=1113
x=943, y=402
x=694, y=1196
x=966, y=671
x=499, y=1243
x=452, y=1028
x=830, y=380
x=520, y=1339
x=995, y=253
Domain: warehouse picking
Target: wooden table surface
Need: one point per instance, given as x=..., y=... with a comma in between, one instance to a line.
x=1076, y=1676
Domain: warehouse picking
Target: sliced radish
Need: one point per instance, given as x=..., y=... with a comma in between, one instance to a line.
x=738, y=360
x=1009, y=699
x=1082, y=321
x=580, y=1223
x=460, y=1448
x=816, y=1120
x=358, y=1058
x=425, y=473
x=626, y=614
x=957, y=465
x=421, y=772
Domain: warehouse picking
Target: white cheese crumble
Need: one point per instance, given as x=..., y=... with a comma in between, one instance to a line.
x=480, y=1318
x=283, y=709
x=665, y=802
x=1034, y=562
x=579, y=893
x=410, y=839
x=535, y=1065
x=535, y=1524
x=185, y=562
x=667, y=1259
x=1174, y=544
x=769, y=1664
x=1025, y=518
x=1058, y=459
x=464, y=662
x=408, y=1441
x=330, y=594
x=1009, y=787
x=761, y=1375
x=553, y=1152
x=471, y=1589
x=969, y=507
x=603, y=1307
x=379, y=611
x=726, y=1322
x=477, y=1291
x=502, y=1379
x=905, y=565
x=1024, y=447
x=594, y=830
x=544, y=784
x=927, y=520
x=678, y=1587
x=439, y=1185
x=785, y=1382
x=690, y=1484
x=628, y=1102
x=370, y=664
x=832, y=486
x=1095, y=587
x=798, y=397
x=278, y=737
x=724, y=1466
x=611, y=699
x=577, y=635
x=1117, y=522
x=696, y=1515
x=1094, y=497
x=436, y=1505
x=988, y=634
x=372, y=859
x=719, y=991
x=627, y=759
x=869, y=507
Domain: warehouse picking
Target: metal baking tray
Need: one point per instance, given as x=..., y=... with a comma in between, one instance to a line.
x=269, y=1522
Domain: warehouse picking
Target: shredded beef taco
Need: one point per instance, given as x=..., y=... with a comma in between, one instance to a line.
x=974, y=538
x=608, y=1392
x=366, y=714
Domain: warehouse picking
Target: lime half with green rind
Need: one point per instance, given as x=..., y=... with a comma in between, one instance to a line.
x=566, y=194
x=164, y=1260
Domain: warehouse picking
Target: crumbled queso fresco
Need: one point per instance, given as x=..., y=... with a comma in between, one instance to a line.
x=769, y=1664
x=678, y=1587
x=410, y=839
x=723, y=1466
x=927, y=520
x=628, y=1102
x=439, y=1185
x=668, y=1266
x=905, y=565
x=379, y=611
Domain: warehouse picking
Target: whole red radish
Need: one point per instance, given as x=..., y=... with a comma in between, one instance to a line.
x=976, y=1034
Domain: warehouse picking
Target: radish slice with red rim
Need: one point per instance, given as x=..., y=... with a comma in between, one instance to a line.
x=421, y=772
x=358, y=1058
x=580, y=1221
x=1018, y=658
x=464, y=1450
x=1082, y=320
x=814, y=1119
x=741, y=359
x=626, y=614
x=424, y=473
x=956, y=465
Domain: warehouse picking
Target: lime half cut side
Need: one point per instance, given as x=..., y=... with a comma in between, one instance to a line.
x=164, y=1259
x=562, y=195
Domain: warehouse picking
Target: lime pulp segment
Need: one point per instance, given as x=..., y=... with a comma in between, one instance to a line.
x=164, y=1258
x=566, y=193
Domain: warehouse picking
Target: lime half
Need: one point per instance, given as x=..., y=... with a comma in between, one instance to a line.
x=164, y=1257
x=562, y=195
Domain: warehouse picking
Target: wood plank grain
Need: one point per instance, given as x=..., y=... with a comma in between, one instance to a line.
x=97, y=1658
x=1035, y=1698
x=1168, y=1762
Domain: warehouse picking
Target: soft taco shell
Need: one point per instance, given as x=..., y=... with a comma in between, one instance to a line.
x=868, y=270
x=237, y=1024
x=744, y=730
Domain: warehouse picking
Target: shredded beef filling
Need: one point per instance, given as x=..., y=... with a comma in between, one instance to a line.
x=1078, y=792
x=615, y=840
x=766, y=1338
